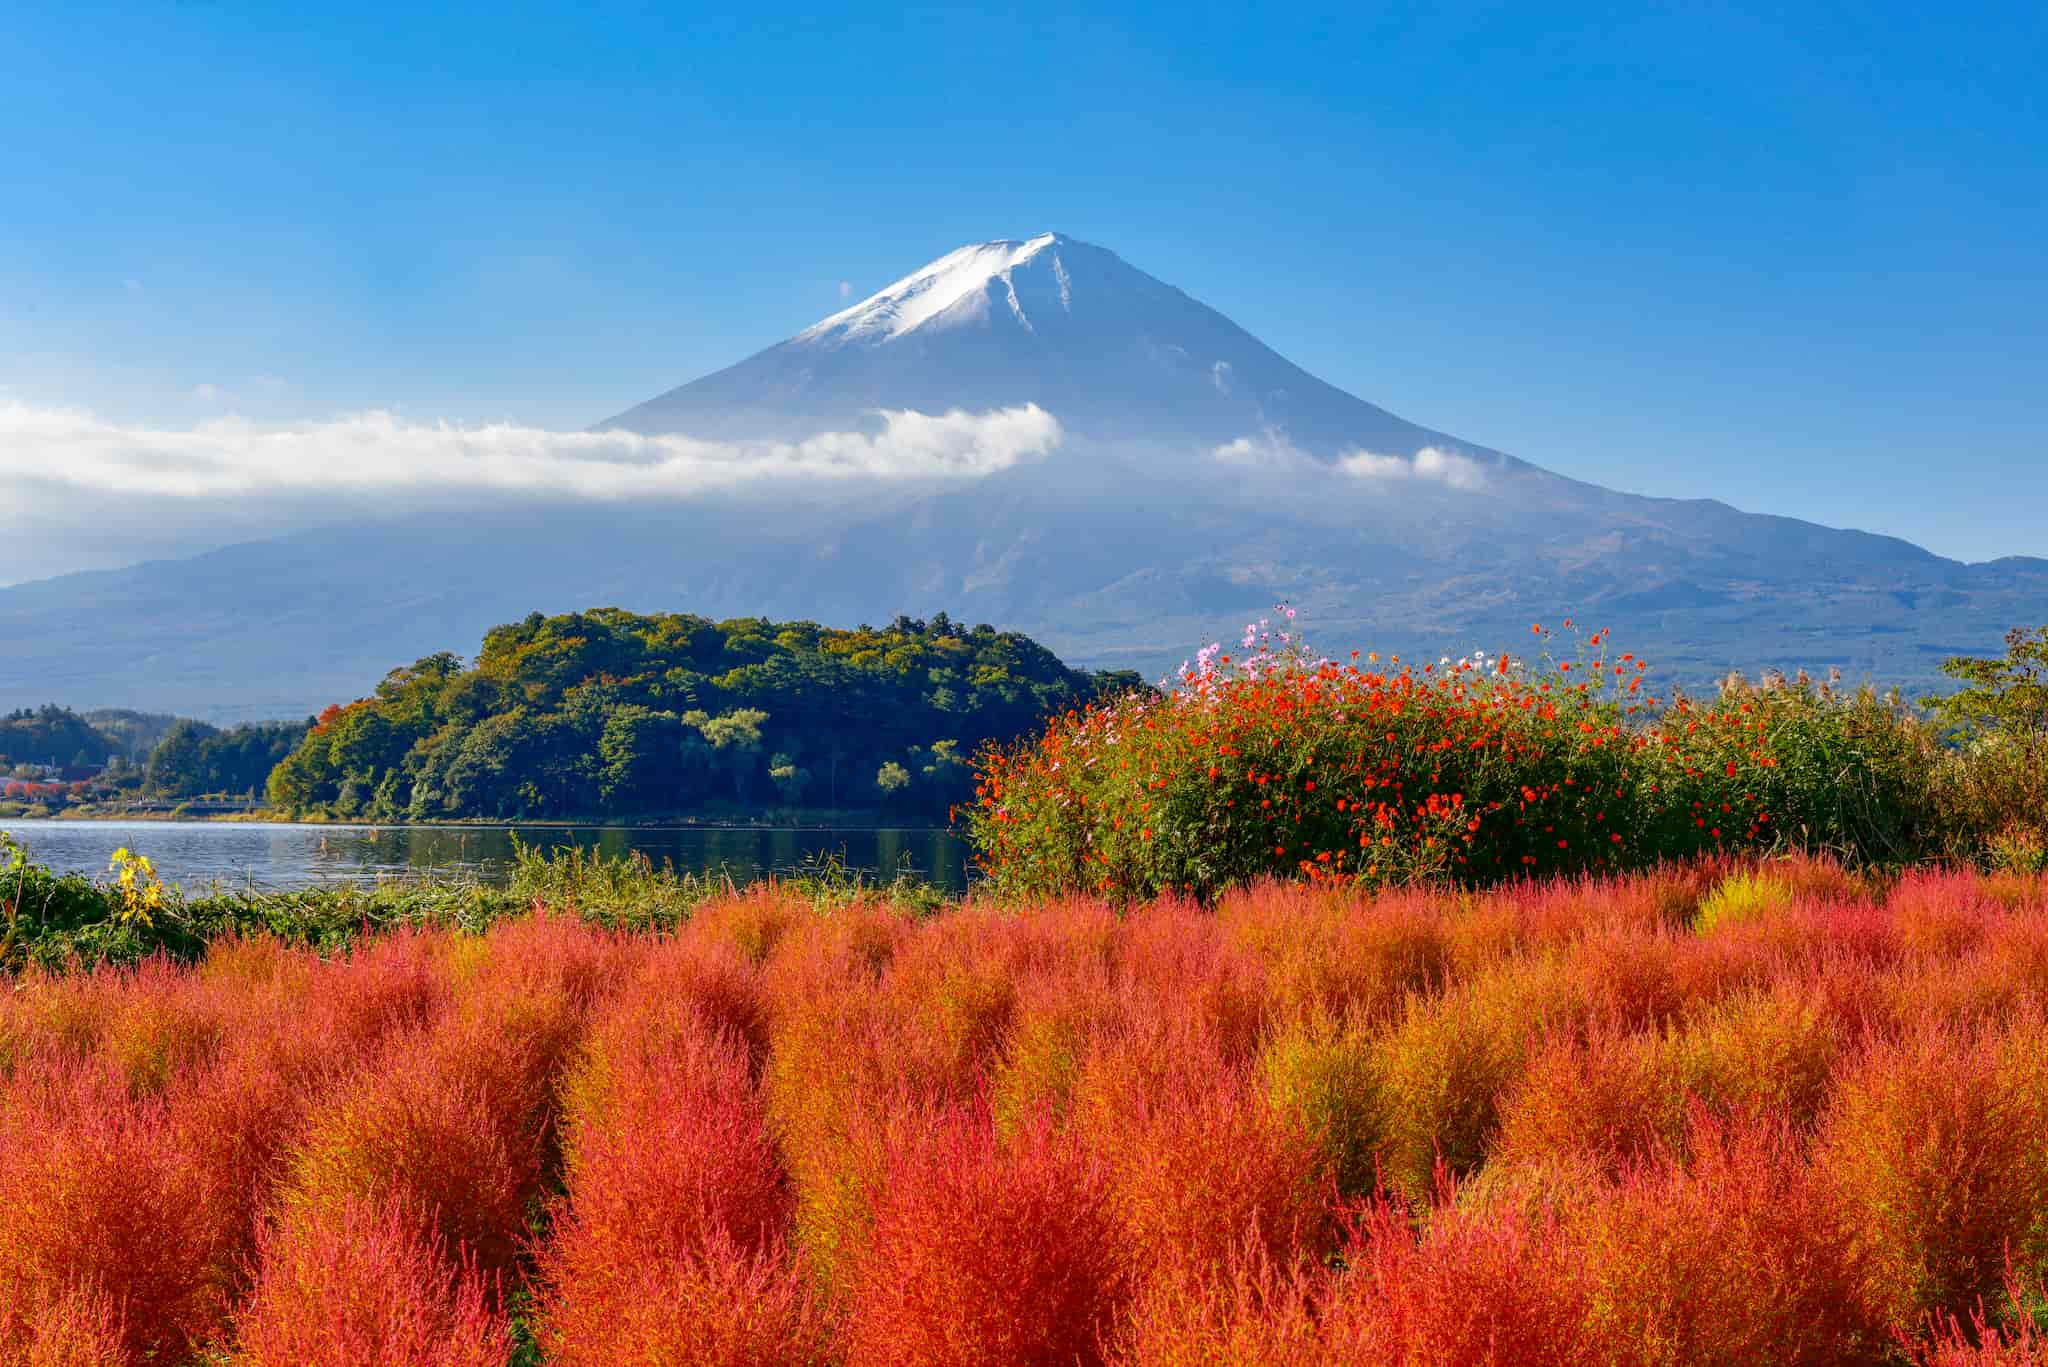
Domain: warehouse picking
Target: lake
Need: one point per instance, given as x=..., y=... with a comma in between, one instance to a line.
x=282, y=855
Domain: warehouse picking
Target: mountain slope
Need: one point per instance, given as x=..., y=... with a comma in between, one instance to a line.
x=1201, y=477
x=1112, y=352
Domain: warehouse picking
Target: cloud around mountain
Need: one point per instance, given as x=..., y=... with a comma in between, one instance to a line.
x=1431, y=465
x=91, y=492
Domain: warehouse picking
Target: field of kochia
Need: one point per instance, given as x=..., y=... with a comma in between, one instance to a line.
x=1720, y=1113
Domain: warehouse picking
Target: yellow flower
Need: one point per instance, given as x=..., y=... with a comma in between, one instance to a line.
x=136, y=883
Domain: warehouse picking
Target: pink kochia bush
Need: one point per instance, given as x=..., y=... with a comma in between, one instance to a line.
x=1729, y=1112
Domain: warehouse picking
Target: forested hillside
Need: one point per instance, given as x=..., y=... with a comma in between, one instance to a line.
x=111, y=760
x=51, y=735
x=614, y=714
x=194, y=758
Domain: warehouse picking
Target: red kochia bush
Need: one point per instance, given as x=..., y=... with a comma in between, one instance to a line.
x=1936, y=1147
x=2008, y=1339
x=1729, y=1258
x=722, y=1306
x=418, y=1133
x=1809, y=1127
x=670, y=1245
x=450, y=1121
x=1205, y=1167
x=96, y=1195
x=1258, y=1316
x=1492, y=1286
x=77, y=1329
x=365, y=1286
x=986, y=1253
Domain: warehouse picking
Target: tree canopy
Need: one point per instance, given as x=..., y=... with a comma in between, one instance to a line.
x=194, y=758
x=609, y=713
x=51, y=735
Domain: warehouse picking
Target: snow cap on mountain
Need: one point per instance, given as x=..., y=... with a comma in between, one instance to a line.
x=939, y=289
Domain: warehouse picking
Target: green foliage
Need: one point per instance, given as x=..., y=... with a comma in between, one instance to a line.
x=1997, y=786
x=1854, y=774
x=134, y=734
x=193, y=758
x=60, y=922
x=1476, y=770
x=51, y=735
x=2008, y=695
x=791, y=779
x=39, y=909
x=612, y=714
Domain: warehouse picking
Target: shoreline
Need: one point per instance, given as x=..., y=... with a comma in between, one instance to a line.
x=280, y=819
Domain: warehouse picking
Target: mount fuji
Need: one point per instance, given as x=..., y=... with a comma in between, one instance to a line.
x=1114, y=354
x=1175, y=478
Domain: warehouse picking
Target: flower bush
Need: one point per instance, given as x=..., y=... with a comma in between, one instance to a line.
x=1274, y=761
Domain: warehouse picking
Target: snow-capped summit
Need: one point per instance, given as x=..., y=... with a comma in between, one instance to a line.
x=1108, y=350
x=954, y=288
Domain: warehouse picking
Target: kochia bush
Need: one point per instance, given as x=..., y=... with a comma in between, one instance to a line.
x=1278, y=762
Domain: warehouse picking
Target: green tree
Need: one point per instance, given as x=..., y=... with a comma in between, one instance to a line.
x=2007, y=695
x=178, y=766
x=594, y=688
x=735, y=741
x=51, y=735
x=891, y=779
x=790, y=779
x=640, y=759
x=948, y=775
x=1997, y=789
x=485, y=774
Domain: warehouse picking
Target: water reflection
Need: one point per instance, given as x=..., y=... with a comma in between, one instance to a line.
x=197, y=853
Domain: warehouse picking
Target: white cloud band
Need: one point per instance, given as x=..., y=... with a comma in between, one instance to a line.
x=1430, y=465
x=74, y=480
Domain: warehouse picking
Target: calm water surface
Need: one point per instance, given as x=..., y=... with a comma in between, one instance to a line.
x=197, y=853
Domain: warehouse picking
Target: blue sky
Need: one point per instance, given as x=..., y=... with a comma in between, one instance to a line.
x=1791, y=262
